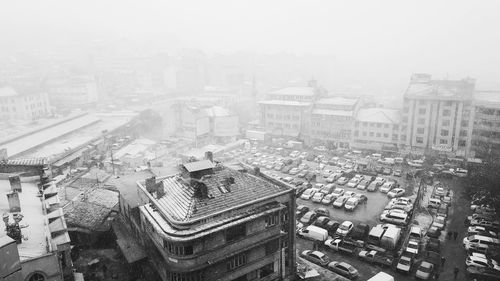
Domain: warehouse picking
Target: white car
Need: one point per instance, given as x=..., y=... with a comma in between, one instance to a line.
x=480, y=260
x=337, y=192
x=386, y=187
x=396, y=192
x=440, y=191
x=351, y=204
x=480, y=230
x=404, y=264
x=308, y=193
x=328, y=199
x=345, y=228
x=350, y=193
x=379, y=181
x=353, y=182
x=439, y=222
x=339, y=202
x=412, y=247
x=318, y=196
x=294, y=171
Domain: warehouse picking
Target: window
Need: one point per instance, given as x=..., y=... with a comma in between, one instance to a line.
x=272, y=246
x=421, y=111
x=445, y=133
x=371, y=134
x=463, y=133
x=236, y=261
x=447, y=103
x=271, y=220
x=446, y=123
x=446, y=112
x=364, y=134
x=420, y=140
x=443, y=141
x=356, y=133
x=386, y=135
x=266, y=270
x=464, y=123
x=178, y=249
x=421, y=121
x=386, y=126
x=462, y=143
x=403, y=137
x=420, y=131
x=379, y=125
x=378, y=135
x=422, y=102
x=372, y=124
x=37, y=277
x=236, y=232
x=405, y=119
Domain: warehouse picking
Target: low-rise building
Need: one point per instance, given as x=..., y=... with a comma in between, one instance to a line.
x=376, y=129
x=213, y=222
x=23, y=105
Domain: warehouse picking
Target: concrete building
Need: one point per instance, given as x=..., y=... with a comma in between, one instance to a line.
x=376, y=129
x=437, y=115
x=35, y=221
x=486, y=129
x=26, y=105
x=214, y=223
x=72, y=92
x=332, y=122
x=286, y=111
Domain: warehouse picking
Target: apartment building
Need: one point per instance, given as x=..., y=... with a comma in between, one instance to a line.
x=486, y=129
x=331, y=121
x=376, y=129
x=25, y=105
x=214, y=222
x=285, y=112
x=437, y=115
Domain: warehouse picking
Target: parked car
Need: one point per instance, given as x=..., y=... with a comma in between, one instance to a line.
x=386, y=187
x=351, y=204
x=396, y=192
x=363, y=185
x=372, y=186
x=318, y=196
x=424, y=271
x=308, y=217
x=322, y=211
x=360, y=231
x=353, y=182
x=316, y=257
x=405, y=264
x=328, y=199
x=439, y=222
x=362, y=199
x=332, y=226
x=395, y=216
x=433, y=232
x=321, y=221
x=480, y=230
x=342, y=180
x=339, y=203
x=434, y=203
x=344, y=269
x=308, y=194
x=376, y=257
x=412, y=247
x=337, y=192
x=483, y=273
x=301, y=210
x=398, y=173
x=480, y=260
x=345, y=228
x=379, y=181
x=433, y=244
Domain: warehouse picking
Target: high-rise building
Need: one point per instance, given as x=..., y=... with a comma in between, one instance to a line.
x=486, y=130
x=437, y=115
x=214, y=222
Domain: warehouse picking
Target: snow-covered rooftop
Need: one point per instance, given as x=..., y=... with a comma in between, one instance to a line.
x=379, y=115
x=294, y=91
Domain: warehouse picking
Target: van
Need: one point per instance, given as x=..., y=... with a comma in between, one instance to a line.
x=395, y=217
x=313, y=233
x=480, y=242
x=390, y=238
x=382, y=276
x=375, y=235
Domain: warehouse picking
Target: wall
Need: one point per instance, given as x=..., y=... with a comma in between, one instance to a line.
x=47, y=265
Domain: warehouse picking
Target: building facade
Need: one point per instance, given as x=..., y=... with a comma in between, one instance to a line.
x=215, y=223
x=376, y=129
x=486, y=129
x=437, y=115
x=25, y=106
x=72, y=92
x=331, y=122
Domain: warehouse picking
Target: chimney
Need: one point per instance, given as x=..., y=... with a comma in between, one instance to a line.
x=200, y=189
x=14, y=203
x=160, y=190
x=209, y=156
x=15, y=183
x=151, y=184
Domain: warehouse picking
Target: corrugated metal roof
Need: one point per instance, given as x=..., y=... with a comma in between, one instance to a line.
x=35, y=161
x=198, y=165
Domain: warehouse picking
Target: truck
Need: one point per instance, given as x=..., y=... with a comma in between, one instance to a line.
x=376, y=257
x=340, y=246
x=382, y=276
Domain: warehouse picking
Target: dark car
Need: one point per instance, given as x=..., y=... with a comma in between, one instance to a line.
x=433, y=232
x=321, y=221
x=332, y=226
x=322, y=212
x=360, y=231
x=483, y=273
x=308, y=217
x=362, y=199
x=433, y=245
x=301, y=210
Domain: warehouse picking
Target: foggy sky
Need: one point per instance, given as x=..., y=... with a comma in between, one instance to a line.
x=455, y=38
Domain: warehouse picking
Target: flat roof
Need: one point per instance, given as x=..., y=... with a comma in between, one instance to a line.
x=332, y=112
x=198, y=165
x=337, y=101
x=294, y=91
x=490, y=99
x=180, y=203
x=127, y=186
x=31, y=208
x=379, y=115
x=285, y=102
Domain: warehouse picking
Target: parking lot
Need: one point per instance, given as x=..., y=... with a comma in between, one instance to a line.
x=448, y=191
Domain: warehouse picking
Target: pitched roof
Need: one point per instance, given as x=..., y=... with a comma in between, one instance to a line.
x=198, y=165
x=180, y=203
x=337, y=101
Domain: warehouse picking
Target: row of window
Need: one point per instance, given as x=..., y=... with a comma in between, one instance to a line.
x=285, y=117
x=373, y=134
x=283, y=125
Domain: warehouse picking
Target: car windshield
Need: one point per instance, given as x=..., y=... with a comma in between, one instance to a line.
x=404, y=261
x=413, y=246
x=425, y=268
x=344, y=227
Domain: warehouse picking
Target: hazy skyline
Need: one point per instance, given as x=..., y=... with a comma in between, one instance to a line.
x=374, y=38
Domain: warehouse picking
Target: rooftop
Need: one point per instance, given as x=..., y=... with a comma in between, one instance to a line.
x=31, y=208
x=489, y=99
x=379, y=115
x=337, y=101
x=127, y=185
x=198, y=165
x=294, y=91
x=332, y=112
x=441, y=89
x=217, y=111
x=285, y=102
x=8, y=92
x=180, y=203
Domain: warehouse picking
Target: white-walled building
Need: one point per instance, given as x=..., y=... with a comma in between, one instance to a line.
x=23, y=106
x=377, y=129
x=72, y=92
